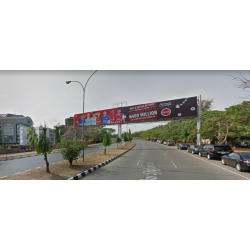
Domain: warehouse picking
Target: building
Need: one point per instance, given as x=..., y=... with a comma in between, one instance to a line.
x=62, y=128
x=23, y=135
x=49, y=133
x=69, y=122
x=10, y=126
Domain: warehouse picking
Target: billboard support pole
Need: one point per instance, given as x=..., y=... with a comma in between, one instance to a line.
x=120, y=134
x=199, y=121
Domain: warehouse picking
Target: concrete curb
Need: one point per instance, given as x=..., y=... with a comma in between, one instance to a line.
x=85, y=173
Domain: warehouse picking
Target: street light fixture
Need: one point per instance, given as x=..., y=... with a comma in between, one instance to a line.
x=68, y=82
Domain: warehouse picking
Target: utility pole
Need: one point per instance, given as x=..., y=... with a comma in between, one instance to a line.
x=199, y=120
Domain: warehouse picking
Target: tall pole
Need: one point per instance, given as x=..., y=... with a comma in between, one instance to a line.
x=83, y=122
x=199, y=121
x=120, y=134
x=68, y=82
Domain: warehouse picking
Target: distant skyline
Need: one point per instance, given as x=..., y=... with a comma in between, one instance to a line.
x=45, y=97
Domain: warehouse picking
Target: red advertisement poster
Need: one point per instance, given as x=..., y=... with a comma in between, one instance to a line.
x=101, y=117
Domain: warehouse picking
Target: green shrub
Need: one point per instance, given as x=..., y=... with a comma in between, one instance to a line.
x=71, y=150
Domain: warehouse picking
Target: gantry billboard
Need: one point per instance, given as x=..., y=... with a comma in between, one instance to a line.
x=166, y=110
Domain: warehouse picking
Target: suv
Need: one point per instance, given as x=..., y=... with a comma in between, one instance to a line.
x=215, y=151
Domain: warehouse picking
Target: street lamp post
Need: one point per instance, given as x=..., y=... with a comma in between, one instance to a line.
x=68, y=82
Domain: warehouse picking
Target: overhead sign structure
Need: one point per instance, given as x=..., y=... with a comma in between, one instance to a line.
x=166, y=110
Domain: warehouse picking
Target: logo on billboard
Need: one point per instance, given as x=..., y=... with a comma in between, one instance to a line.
x=166, y=104
x=193, y=108
x=166, y=112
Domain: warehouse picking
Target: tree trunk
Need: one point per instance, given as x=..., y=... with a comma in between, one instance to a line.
x=70, y=162
x=47, y=163
x=105, y=150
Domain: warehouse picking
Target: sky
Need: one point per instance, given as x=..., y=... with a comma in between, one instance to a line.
x=46, y=98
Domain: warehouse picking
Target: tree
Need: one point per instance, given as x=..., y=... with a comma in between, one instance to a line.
x=125, y=137
x=71, y=150
x=118, y=140
x=42, y=144
x=243, y=84
x=206, y=104
x=228, y=125
x=130, y=138
x=155, y=134
x=57, y=134
x=145, y=134
x=106, y=141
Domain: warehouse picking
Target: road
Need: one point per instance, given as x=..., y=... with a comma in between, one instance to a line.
x=153, y=161
x=14, y=166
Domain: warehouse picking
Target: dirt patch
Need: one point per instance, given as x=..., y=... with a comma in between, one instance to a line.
x=63, y=170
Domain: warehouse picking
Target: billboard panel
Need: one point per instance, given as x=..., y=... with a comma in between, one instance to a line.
x=101, y=117
x=166, y=110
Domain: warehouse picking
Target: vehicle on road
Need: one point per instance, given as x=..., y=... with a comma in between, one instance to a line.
x=214, y=151
x=241, y=161
x=166, y=142
x=182, y=146
x=170, y=143
x=194, y=149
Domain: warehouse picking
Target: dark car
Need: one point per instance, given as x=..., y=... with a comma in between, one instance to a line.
x=215, y=151
x=194, y=149
x=241, y=161
x=170, y=143
x=183, y=146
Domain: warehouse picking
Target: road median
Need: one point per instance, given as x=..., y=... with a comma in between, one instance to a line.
x=63, y=170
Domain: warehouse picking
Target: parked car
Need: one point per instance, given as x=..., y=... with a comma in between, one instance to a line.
x=159, y=141
x=241, y=161
x=170, y=143
x=182, y=146
x=215, y=151
x=194, y=149
x=166, y=142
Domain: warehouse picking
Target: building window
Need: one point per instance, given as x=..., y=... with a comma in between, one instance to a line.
x=8, y=133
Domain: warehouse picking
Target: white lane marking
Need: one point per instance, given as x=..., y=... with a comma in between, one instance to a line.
x=164, y=154
x=174, y=164
x=142, y=153
x=218, y=166
x=151, y=171
x=138, y=162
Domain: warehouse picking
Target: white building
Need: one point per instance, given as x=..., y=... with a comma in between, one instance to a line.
x=22, y=133
x=49, y=133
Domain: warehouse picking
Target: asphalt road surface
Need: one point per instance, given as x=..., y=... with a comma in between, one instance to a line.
x=14, y=166
x=153, y=161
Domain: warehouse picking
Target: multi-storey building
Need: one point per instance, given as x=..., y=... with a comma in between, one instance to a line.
x=23, y=135
x=69, y=122
x=49, y=133
x=10, y=128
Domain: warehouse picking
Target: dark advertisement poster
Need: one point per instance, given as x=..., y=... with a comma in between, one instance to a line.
x=166, y=110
